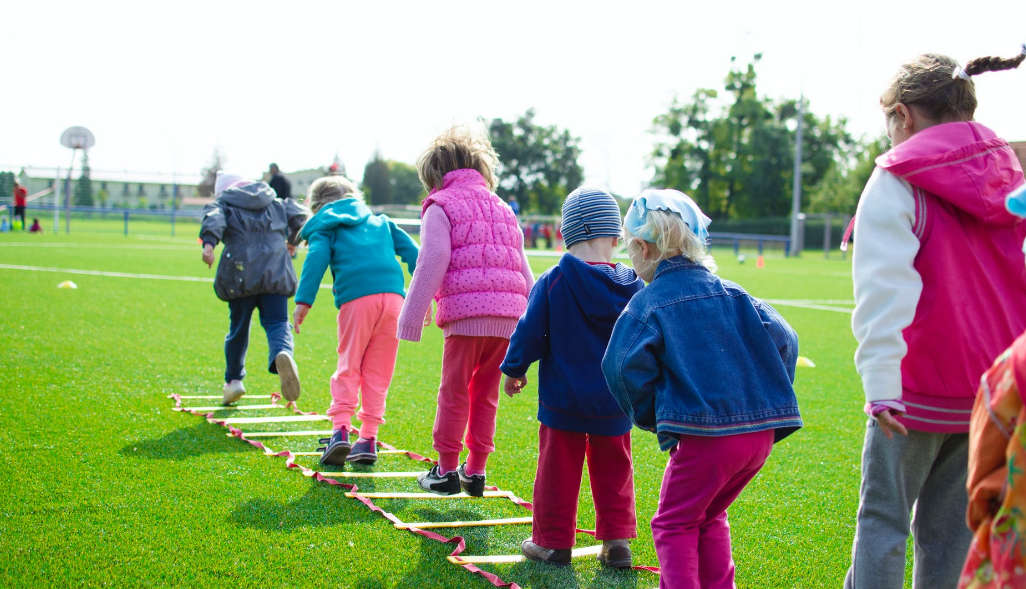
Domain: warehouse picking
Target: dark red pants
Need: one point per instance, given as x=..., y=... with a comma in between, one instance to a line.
x=557, y=485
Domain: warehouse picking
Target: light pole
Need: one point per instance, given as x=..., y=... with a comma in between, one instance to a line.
x=74, y=138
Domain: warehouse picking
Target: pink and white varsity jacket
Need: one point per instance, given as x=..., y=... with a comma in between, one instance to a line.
x=939, y=274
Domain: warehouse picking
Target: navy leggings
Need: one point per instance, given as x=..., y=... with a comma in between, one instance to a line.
x=274, y=318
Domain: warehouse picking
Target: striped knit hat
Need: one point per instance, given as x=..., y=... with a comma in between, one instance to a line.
x=589, y=213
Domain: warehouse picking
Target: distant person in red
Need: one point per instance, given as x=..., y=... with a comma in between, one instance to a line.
x=20, y=194
x=36, y=227
x=546, y=232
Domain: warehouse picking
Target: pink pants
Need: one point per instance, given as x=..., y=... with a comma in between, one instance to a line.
x=367, y=346
x=468, y=400
x=557, y=485
x=703, y=477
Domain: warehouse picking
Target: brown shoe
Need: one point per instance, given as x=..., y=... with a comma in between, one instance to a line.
x=559, y=557
x=616, y=554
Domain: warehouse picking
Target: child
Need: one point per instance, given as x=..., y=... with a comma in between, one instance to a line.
x=255, y=272
x=938, y=295
x=997, y=466
x=570, y=316
x=708, y=368
x=472, y=262
x=360, y=248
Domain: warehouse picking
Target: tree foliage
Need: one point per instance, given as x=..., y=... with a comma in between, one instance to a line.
x=842, y=186
x=84, y=185
x=537, y=164
x=406, y=186
x=376, y=185
x=735, y=156
x=209, y=173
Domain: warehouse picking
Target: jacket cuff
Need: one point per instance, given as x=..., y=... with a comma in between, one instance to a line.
x=304, y=303
x=882, y=383
x=207, y=242
x=508, y=371
x=410, y=333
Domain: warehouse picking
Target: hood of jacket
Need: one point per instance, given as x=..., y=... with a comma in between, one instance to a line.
x=347, y=211
x=255, y=196
x=964, y=163
x=601, y=291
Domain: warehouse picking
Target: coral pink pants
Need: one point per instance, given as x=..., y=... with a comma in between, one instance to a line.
x=468, y=400
x=557, y=485
x=367, y=346
x=703, y=477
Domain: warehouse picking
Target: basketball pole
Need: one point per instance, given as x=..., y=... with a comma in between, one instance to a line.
x=67, y=194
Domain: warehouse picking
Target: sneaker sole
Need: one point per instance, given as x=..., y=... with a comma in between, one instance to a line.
x=288, y=375
x=228, y=399
x=336, y=455
x=362, y=458
x=623, y=563
x=543, y=561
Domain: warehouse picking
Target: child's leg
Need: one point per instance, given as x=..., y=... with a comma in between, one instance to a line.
x=274, y=318
x=556, y=487
x=941, y=536
x=612, y=486
x=459, y=358
x=484, y=402
x=356, y=320
x=240, y=312
x=893, y=473
x=703, y=476
x=379, y=363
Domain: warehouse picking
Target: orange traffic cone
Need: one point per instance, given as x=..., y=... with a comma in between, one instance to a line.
x=759, y=262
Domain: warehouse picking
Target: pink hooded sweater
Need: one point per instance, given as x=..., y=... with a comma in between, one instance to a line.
x=474, y=263
x=972, y=303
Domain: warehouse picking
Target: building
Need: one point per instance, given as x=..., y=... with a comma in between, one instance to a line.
x=126, y=190
x=1019, y=147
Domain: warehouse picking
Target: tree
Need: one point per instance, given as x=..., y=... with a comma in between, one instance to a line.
x=209, y=173
x=84, y=186
x=406, y=186
x=376, y=183
x=7, y=185
x=537, y=164
x=736, y=158
x=102, y=197
x=842, y=186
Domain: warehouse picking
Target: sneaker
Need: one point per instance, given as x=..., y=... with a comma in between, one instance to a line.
x=337, y=449
x=364, y=452
x=233, y=391
x=560, y=557
x=473, y=484
x=435, y=482
x=616, y=554
x=288, y=374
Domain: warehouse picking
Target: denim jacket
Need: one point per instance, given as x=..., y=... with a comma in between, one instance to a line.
x=694, y=354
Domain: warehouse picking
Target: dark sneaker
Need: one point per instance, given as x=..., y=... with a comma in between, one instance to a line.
x=288, y=375
x=433, y=481
x=473, y=484
x=616, y=554
x=364, y=452
x=337, y=449
x=560, y=557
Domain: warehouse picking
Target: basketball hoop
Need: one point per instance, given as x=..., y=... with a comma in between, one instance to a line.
x=77, y=138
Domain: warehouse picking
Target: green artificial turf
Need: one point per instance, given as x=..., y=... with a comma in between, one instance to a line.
x=103, y=484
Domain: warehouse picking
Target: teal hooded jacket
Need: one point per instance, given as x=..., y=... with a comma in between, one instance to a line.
x=359, y=247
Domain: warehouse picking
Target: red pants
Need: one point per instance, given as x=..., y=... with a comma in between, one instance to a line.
x=557, y=485
x=468, y=400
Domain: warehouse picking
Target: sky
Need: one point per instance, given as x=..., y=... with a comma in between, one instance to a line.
x=163, y=84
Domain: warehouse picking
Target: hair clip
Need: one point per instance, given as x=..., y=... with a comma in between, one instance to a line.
x=1023, y=50
x=960, y=72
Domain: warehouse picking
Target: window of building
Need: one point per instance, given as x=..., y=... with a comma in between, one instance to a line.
x=142, y=189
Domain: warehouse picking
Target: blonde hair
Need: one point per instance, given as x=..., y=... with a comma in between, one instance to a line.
x=458, y=148
x=671, y=234
x=930, y=82
x=329, y=189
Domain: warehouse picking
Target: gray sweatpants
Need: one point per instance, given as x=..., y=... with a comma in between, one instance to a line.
x=923, y=474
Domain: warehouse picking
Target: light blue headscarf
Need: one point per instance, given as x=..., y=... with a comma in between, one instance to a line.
x=666, y=200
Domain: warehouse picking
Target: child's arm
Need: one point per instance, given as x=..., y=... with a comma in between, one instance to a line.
x=526, y=269
x=784, y=338
x=432, y=263
x=631, y=368
x=530, y=341
x=317, y=259
x=213, y=224
x=405, y=247
x=887, y=285
x=297, y=216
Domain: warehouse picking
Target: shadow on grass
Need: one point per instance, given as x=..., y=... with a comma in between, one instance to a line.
x=198, y=440
x=535, y=574
x=322, y=505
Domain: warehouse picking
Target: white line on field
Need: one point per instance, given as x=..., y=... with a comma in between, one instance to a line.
x=808, y=305
x=114, y=274
x=99, y=246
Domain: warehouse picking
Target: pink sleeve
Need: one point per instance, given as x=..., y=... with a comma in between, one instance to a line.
x=432, y=262
x=528, y=275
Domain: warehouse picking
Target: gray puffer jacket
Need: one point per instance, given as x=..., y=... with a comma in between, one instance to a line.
x=254, y=226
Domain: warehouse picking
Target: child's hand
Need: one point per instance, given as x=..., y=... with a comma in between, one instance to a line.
x=291, y=248
x=208, y=255
x=885, y=420
x=299, y=315
x=427, y=317
x=513, y=386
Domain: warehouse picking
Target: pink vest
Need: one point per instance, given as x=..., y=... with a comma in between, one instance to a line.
x=485, y=275
x=973, y=303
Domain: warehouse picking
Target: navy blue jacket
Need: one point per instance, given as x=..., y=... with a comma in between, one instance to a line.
x=570, y=315
x=694, y=354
